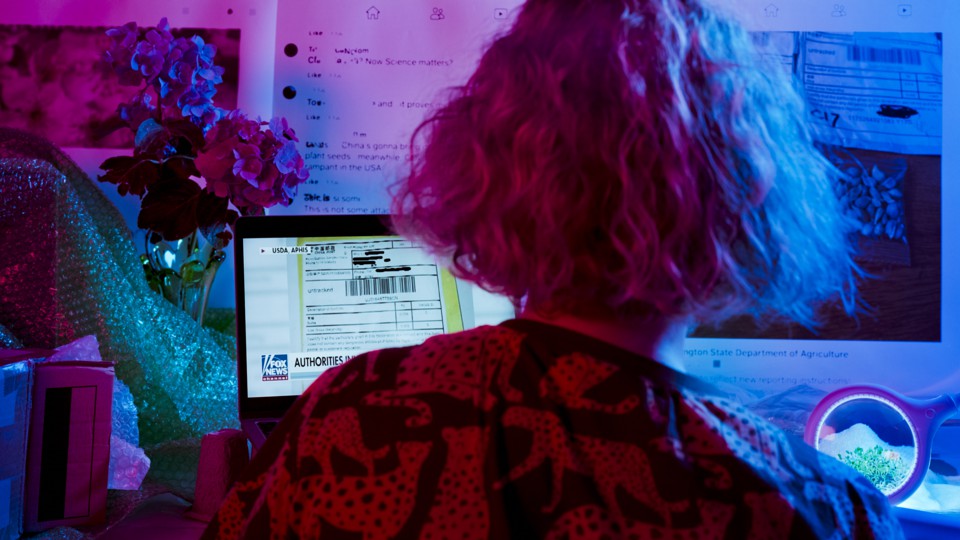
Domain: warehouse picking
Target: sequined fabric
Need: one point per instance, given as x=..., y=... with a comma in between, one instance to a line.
x=69, y=268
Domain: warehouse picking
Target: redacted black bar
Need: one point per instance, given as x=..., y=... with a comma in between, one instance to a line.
x=54, y=454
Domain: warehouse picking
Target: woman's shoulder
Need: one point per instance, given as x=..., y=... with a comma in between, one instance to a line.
x=454, y=363
x=464, y=358
x=488, y=342
x=812, y=484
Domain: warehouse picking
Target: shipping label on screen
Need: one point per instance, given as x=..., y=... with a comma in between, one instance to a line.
x=313, y=304
x=878, y=91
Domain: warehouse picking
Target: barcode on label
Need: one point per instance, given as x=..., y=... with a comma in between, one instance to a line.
x=886, y=56
x=386, y=285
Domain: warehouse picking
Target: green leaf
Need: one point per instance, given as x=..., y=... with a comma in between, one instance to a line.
x=211, y=210
x=180, y=167
x=149, y=136
x=131, y=174
x=187, y=137
x=170, y=208
x=118, y=161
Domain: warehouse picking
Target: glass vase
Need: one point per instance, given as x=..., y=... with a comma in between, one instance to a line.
x=182, y=270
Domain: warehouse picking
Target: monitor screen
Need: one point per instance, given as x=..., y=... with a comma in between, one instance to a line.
x=876, y=76
x=315, y=291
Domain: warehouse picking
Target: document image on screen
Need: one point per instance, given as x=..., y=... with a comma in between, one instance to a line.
x=312, y=304
x=360, y=295
x=875, y=101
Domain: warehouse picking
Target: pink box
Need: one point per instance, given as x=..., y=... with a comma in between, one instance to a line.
x=16, y=381
x=69, y=448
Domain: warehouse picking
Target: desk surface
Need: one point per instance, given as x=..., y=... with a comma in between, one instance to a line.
x=919, y=525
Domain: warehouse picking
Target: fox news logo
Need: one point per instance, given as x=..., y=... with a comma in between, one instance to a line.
x=274, y=367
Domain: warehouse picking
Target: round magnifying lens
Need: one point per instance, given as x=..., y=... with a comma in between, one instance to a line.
x=885, y=435
x=873, y=435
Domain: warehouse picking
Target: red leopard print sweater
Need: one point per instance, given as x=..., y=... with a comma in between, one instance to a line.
x=526, y=430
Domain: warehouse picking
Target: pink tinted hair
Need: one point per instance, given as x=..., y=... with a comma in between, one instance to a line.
x=630, y=156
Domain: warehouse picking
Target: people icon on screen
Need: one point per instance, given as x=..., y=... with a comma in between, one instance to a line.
x=437, y=14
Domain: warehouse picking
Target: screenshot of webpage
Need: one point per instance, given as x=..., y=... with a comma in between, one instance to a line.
x=880, y=81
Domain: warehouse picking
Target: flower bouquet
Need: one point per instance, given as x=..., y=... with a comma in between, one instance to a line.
x=195, y=167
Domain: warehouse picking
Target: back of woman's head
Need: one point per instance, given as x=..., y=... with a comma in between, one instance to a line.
x=629, y=156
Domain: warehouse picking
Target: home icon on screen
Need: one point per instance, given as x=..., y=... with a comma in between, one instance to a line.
x=373, y=14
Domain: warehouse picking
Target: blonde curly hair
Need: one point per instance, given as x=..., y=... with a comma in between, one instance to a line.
x=630, y=156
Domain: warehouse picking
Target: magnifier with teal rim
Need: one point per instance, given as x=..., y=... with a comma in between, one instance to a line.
x=885, y=435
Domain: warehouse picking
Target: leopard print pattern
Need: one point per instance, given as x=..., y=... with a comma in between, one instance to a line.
x=515, y=426
x=771, y=516
x=704, y=434
x=341, y=431
x=574, y=375
x=843, y=514
x=549, y=442
x=232, y=513
x=766, y=447
x=613, y=465
x=377, y=507
x=331, y=382
x=283, y=515
x=591, y=522
x=452, y=366
x=718, y=476
x=461, y=507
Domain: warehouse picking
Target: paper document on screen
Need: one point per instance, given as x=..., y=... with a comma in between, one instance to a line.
x=372, y=294
x=871, y=90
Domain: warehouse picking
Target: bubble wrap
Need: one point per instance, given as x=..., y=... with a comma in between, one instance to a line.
x=69, y=267
x=128, y=465
x=124, y=425
x=174, y=466
x=85, y=348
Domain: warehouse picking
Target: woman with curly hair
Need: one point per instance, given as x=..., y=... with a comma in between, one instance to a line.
x=621, y=169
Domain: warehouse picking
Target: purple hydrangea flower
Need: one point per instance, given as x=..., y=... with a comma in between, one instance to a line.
x=118, y=57
x=287, y=158
x=265, y=169
x=252, y=163
x=150, y=54
x=204, y=57
x=248, y=164
x=138, y=110
x=197, y=102
x=278, y=124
